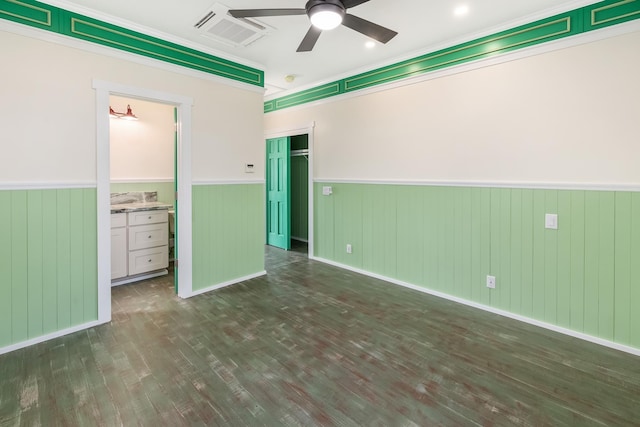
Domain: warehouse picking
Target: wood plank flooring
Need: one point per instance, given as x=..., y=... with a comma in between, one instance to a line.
x=313, y=345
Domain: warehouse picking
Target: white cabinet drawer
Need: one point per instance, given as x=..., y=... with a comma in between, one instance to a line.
x=148, y=236
x=146, y=260
x=118, y=220
x=148, y=217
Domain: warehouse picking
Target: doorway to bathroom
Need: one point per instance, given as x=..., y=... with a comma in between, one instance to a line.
x=142, y=141
x=183, y=105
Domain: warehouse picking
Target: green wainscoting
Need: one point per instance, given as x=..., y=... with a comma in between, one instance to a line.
x=571, y=23
x=48, y=262
x=228, y=232
x=166, y=191
x=51, y=18
x=585, y=276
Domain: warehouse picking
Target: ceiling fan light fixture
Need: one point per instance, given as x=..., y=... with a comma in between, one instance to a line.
x=325, y=15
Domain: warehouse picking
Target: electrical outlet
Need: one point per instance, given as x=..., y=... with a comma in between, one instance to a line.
x=491, y=282
x=551, y=221
x=349, y=249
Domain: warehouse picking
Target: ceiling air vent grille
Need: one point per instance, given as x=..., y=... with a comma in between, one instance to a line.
x=217, y=24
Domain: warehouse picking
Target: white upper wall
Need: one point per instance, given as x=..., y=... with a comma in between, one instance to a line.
x=569, y=116
x=142, y=149
x=48, y=114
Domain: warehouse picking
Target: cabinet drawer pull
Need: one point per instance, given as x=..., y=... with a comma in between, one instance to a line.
x=149, y=217
x=149, y=261
x=149, y=237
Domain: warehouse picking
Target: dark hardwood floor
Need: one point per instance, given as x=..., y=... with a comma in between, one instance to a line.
x=310, y=344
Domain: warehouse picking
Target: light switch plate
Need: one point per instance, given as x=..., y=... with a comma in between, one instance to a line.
x=327, y=191
x=551, y=221
x=248, y=167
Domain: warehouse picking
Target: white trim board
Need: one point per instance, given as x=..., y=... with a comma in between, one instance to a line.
x=227, y=182
x=141, y=180
x=225, y=284
x=52, y=185
x=47, y=337
x=549, y=326
x=492, y=184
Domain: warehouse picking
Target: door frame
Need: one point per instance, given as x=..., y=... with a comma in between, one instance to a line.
x=183, y=176
x=301, y=130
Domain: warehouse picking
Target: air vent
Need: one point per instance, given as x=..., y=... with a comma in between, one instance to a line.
x=217, y=24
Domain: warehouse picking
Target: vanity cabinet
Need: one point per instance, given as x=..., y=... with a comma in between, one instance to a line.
x=119, y=252
x=139, y=244
x=148, y=239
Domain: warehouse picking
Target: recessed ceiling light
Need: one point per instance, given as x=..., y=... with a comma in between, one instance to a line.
x=461, y=10
x=370, y=44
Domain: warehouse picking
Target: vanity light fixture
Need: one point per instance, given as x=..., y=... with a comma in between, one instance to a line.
x=129, y=114
x=125, y=116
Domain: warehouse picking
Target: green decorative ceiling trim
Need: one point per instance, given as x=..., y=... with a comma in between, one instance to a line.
x=28, y=13
x=549, y=29
x=110, y=35
x=269, y=106
x=309, y=95
x=577, y=21
x=611, y=13
x=40, y=15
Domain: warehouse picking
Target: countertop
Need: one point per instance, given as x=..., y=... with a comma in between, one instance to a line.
x=139, y=206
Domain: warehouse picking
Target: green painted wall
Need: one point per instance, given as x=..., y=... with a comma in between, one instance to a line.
x=165, y=190
x=228, y=232
x=585, y=276
x=48, y=260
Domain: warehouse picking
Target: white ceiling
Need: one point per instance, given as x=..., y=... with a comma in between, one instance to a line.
x=423, y=25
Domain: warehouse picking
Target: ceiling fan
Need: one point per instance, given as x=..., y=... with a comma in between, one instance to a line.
x=324, y=15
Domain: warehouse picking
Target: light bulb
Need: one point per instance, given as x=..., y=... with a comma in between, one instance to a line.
x=326, y=19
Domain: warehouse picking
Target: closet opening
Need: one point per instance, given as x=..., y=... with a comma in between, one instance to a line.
x=289, y=192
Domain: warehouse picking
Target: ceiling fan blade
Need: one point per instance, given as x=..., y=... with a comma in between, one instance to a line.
x=368, y=28
x=352, y=3
x=254, y=13
x=309, y=41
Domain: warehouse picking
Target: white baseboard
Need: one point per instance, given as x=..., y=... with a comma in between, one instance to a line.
x=225, y=284
x=47, y=337
x=545, y=325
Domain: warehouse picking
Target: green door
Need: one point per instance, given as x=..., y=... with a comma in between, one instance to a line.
x=278, y=225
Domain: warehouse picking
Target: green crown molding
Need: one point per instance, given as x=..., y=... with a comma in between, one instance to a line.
x=43, y=16
x=29, y=13
x=570, y=23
